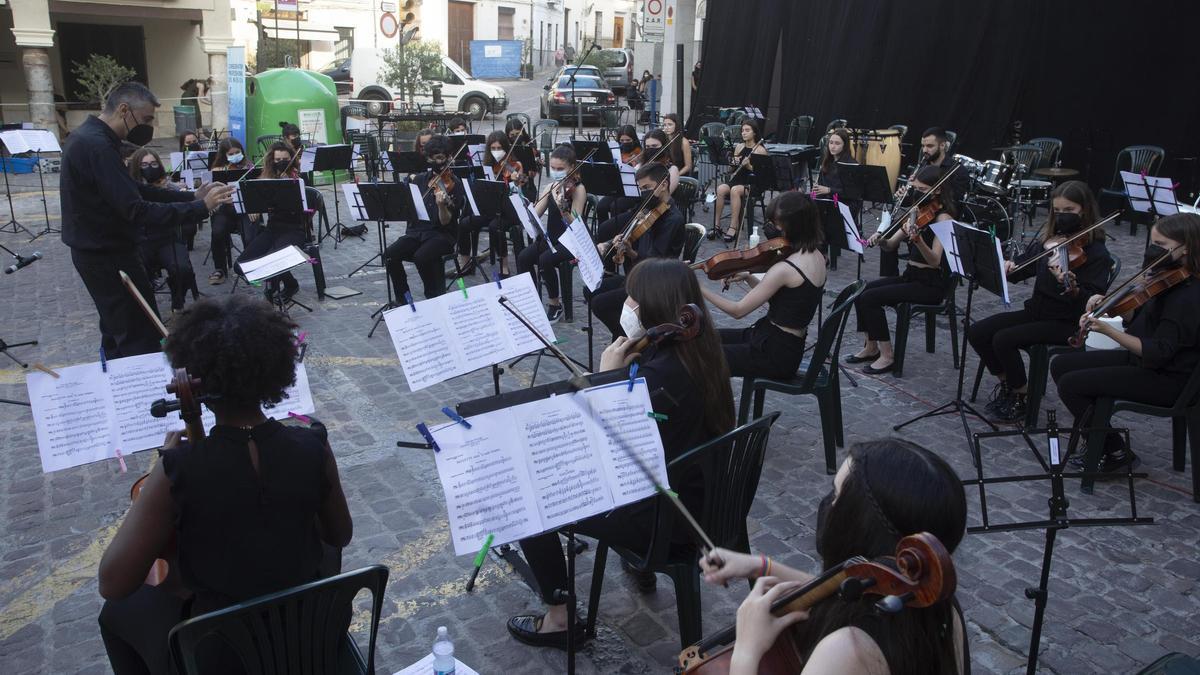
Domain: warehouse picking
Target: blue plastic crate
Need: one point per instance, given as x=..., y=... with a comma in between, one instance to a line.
x=18, y=164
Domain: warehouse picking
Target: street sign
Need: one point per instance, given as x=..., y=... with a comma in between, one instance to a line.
x=387, y=7
x=655, y=19
x=388, y=25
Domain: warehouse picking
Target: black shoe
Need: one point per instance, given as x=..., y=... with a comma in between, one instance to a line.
x=645, y=580
x=1117, y=457
x=554, y=313
x=999, y=398
x=872, y=370
x=712, y=234
x=1013, y=409
x=862, y=359
x=524, y=628
x=289, y=291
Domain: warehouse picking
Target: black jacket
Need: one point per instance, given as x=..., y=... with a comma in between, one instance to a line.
x=1048, y=301
x=103, y=209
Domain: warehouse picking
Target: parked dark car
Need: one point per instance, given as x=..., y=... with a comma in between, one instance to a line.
x=558, y=103
x=339, y=72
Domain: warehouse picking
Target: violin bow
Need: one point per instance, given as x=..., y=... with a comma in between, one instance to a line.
x=663, y=149
x=1066, y=241
x=570, y=173
x=578, y=375
x=898, y=223
x=1102, y=306
x=449, y=164
x=137, y=296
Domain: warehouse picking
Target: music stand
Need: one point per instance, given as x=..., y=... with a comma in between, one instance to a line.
x=599, y=150
x=407, y=162
x=602, y=179
x=333, y=158
x=36, y=141
x=268, y=195
x=383, y=203
x=864, y=183
x=974, y=255
x=524, y=154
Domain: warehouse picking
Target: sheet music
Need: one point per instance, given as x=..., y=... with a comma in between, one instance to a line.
x=476, y=154
x=852, y=236
x=1142, y=190
x=307, y=157
x=531, y=230
x=615, y=148
x=358, y=210
x=488, y=173
x=273, y=263
x=629, y=180
x=470, y=197
x=239, y=207
x=20, y=141
x=944, y=230
x=450, y=335
x=85, y=415
x=419, y=203
x=537, y=466
x=579, y=243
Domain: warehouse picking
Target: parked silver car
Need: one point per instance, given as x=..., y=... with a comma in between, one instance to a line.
x=617, y=66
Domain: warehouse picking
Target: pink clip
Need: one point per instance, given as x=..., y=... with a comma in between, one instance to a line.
x=1143, y=174
x=312, y=261
x=121, y=460
x=1174, y=186
x=835, y=199
x=300, y=338
x=303, y=418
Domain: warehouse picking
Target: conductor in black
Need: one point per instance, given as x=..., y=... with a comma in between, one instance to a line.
x=105, y=214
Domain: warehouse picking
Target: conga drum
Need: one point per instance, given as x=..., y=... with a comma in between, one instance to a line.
x=883, y=149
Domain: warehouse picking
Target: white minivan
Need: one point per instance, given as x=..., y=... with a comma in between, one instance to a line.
x=460, y=91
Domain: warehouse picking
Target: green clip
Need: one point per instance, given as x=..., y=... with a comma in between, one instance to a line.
x=665, y=491
x=256, y=284
x=559, y=341
x=657, y=416
x=462, y=287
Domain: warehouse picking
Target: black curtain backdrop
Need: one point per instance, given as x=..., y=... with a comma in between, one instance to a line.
x=1098, y=75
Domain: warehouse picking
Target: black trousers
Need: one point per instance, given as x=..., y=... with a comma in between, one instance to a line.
x=543, y=263
x=124, y=329
x=268, y=241
x=171, y=255
x=607, y=302
x=998, y=340
x=918, y=285
x=762, y=350
x=425, y=249
x=134, y=630
x=225, y=222
x=497, y=231
x=1083, y=377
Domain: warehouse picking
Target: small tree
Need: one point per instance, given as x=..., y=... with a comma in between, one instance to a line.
x=98, y=76
x=407, y=67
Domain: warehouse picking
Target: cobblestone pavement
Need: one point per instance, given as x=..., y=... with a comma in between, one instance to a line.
x=1120, y=597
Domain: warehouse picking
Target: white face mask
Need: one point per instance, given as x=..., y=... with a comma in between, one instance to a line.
x=498, y=154
x=558, y=174
x=630, y=323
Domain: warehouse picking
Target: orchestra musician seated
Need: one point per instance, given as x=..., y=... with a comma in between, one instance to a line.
x=1159, y=348
x=505, y=168
x=561, y=207
x=165, y=248
x=631, y=154
x=792, y=290
x=737, y=187
x=653, y=146
x=681, y=150
x=1050, y=316
x=697, y=406
x=924, y=280
x=283, y=228
x=884, y=490
x=226, y=220
x=250, y=505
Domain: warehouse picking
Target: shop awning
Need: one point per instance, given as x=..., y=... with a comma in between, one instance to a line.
x=287, y=31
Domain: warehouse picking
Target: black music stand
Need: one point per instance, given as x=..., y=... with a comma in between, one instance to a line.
x=466, y=158
x=599, y=150
x=1052, y=466
x=267, y=195
x=524, y=154
x=407, y=163
x=864, y=183
x=383, y=203
x=333, y=158
x=766, y=178
x=602, y=179
x=973, y=254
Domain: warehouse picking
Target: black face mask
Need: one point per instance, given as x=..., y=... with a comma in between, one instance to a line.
x=138, y=135
x=650, y=198
x=911, y=197
x=153, y=174
x=1067, y=223
x=627, y=147
x=194, y=147
x=437, y=166
x=1154, y=252
x=281, y=166
x=822, y=518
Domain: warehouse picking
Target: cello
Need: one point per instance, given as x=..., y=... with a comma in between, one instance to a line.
x=925, y=577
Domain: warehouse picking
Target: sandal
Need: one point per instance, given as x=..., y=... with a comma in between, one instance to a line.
x=217, y=277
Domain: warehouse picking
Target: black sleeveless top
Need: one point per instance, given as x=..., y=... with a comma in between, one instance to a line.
x=794, y=307
x=876, y=626
x=243, y=534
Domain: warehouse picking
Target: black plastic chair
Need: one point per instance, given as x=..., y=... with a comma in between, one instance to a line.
x=952, y=139
x=685, y=195
x=799, y=129
x=1185, y=421
x=835, y=124
x=526, y=124
x=301, y=629
x=1136, y=159
x=815, y=377
x=1039, y=366
x=1029, y=155
x=730, y=466
x=904, y=314
x=693, y=237
x=1051, y=148
x=266, y=141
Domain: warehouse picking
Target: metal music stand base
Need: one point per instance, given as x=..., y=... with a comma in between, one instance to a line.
x=4, y=349
x=45, y=207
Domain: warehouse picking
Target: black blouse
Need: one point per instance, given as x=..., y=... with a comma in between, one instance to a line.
x=244, y=533
x=1048, y=301
x=1169, y=327
x=458, y=197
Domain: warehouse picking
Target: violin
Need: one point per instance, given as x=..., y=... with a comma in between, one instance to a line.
x=752, y=259
x=928, y=212
x=187, y=392
x=1067, y=256
x=917, y=208
x=1129, y=296
x=639, y=224
x=443, y=182
x=925, y=577
x=688, y=327
x=632, y=157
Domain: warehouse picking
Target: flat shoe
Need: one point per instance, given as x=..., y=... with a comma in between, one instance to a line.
x=524, y=627
x=862, y=359
x=869, y=370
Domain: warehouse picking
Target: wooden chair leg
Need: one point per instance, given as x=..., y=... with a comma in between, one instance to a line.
x=601, y=559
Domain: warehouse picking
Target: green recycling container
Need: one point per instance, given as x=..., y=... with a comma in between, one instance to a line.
x=305, y=98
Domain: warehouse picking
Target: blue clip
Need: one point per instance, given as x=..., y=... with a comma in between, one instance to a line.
x=103, y=360
x=424, y=431
x=496, y=277
x=455, y=416
x=408, y=298
x=632, y=374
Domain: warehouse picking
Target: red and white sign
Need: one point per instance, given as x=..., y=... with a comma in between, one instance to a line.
x=388, y=25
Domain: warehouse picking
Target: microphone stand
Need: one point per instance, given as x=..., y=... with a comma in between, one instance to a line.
x=574, y=99
x=5, y=346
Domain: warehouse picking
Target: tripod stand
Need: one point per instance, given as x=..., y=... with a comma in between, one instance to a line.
x=4, y=349
x=12, y=225
x=45, y=208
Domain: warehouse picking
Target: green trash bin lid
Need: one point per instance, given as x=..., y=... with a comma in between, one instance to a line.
x=185, y=109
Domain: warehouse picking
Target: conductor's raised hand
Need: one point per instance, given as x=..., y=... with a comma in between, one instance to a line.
x=216, y=195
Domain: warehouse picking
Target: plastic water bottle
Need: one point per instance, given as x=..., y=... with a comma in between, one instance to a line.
x=443, y=653
x=754, y=237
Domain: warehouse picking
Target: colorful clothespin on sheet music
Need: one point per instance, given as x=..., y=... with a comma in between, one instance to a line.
x=496, y=278
x=656, y=416
x=103, y=360
x=121, y=460
x=455, y=417
x=835, y=199
x=632, y=374
x=424, y=431
x=812, y=194
x=300, y=341
x=479, y=558
x=302, y=418
x=409, y=299
x=461, y=286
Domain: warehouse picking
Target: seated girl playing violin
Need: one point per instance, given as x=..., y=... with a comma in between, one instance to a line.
x=283, y=228
x=737, y=188
x=653, y=146
x=518, y=135
x=885, y=490
x=631, y=154
x=923, y=280
x=1051, y=313
x=505, y=168
x=792, y=288
x=1159, y=347
x=697, y=406
x=563, y=201
x=250, y=504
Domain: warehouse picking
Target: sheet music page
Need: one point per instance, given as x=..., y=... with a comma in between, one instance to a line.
x=273, y=263
x=518, y=203
x=629, y=180
x=470, y=197
x=176, y=161
x=239, y=207
x=71, y=415
x=29, y=140
x=419, y=204
x=197, y=160
x=422, y=343
x=358, y=210
x=296, y=398
x=385, y=162
x=522, y=293
x=479, y=339
x=15, y=141
x=307, y=158
x=476, y=152
x=567, y=476
x=136, y=382
x=303, y=193
x=944, y=231
x=488, y=173
x=579, y=243
x=486, y=482
x=615, y=148
x=1003, y=277
x=852, y=235
x=625, y=429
